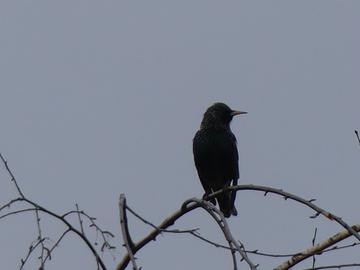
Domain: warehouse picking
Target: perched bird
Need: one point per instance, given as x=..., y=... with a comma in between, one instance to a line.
x=216, y=155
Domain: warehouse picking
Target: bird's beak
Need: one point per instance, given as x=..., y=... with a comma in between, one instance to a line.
x=233, y=113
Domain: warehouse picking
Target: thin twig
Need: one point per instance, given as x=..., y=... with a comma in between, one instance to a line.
x=80, y=220
x=7, y=205
x=313, y=243
x=48, y=256
x=30, y=251
x=357, y=135
x=154, y=226
x=334, y=266
x=341, y=247
x=104, y=234
x=17, y=212
x=12, y=176
x=43, y=249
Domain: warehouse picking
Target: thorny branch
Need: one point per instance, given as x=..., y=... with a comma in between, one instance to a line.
x=287, y=195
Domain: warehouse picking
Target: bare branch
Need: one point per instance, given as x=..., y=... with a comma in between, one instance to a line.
x=317, y=248
x=187, y=207
x=38, y=208
x=220, y=219
x=71, y=228
x=125, y=230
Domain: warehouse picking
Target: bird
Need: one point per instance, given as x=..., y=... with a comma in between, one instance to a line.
x=216, y=156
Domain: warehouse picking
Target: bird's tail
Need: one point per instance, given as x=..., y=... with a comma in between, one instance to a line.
x=226, y=204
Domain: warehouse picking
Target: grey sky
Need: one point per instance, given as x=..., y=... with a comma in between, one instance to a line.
x=100, y=98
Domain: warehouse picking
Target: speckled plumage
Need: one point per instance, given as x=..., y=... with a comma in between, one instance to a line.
x=216, y=155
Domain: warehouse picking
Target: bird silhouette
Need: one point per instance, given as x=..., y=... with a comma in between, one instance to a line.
x=216, y=155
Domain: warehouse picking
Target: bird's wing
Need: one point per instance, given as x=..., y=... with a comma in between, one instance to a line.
x=230, y=163
x=228, y=156
x=201, y=158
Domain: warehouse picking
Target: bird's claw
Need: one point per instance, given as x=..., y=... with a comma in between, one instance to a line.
x=213, y=201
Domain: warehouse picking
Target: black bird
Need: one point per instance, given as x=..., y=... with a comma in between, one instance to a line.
x=216, y=155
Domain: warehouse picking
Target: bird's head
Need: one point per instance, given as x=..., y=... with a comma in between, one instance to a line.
x=219, y=114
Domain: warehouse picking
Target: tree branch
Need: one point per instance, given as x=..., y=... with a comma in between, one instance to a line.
x=186, y=207
x=125, y=230
x=316, y=249
x=293, y=197
x=170, y=220
x=221, y=221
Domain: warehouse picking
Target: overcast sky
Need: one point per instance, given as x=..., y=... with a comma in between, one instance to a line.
x=100, y=98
